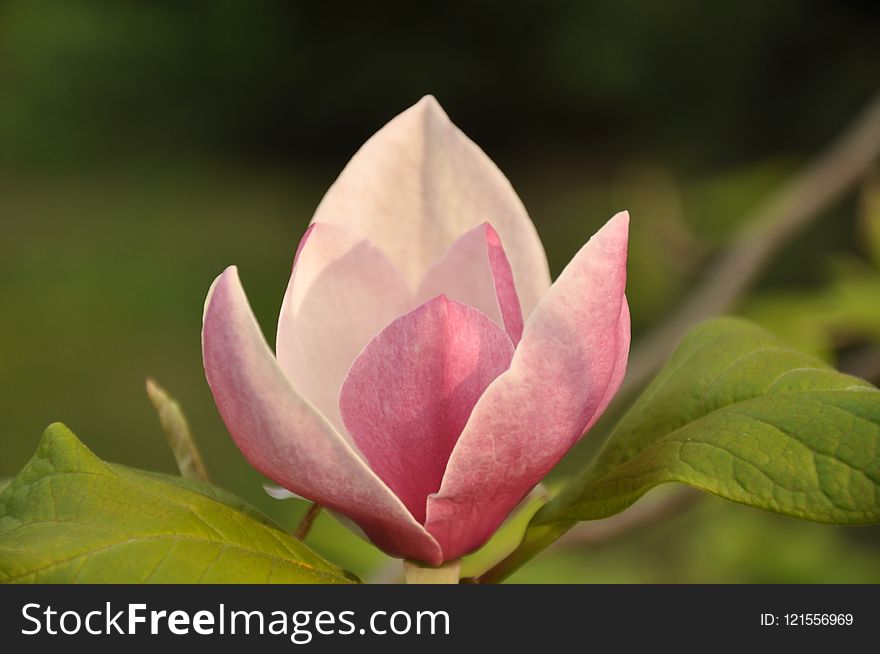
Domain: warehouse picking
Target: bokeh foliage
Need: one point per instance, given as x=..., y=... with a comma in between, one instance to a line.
x=145, y=146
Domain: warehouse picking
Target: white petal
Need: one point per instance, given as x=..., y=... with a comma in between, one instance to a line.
x=420, y=183
x=343, y=291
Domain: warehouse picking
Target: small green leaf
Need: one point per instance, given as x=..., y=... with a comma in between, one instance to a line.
x=737, y=413
x=177, y=432
x=70, y=517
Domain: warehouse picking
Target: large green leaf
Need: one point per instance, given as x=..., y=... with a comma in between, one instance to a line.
x=737, y=413
x=70, y=517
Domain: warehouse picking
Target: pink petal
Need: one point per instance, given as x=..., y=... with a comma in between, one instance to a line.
x=342, y=292
x=569, y=364
x=420, y=183
x=283, y=436
x=410, y=392
x=475, y=271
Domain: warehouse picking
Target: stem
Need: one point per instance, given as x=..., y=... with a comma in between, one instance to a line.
x=305, y=525
x=417, y=573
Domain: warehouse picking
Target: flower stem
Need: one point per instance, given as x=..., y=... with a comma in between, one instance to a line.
x=302, y=530
x=417, y=573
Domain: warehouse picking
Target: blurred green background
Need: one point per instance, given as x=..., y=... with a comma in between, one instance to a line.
x=144, y=146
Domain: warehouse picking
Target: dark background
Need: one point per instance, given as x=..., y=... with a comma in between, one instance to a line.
x=144, y=146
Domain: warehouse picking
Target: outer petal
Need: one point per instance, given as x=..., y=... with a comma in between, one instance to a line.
x=285, y=438
x=418, y=184
x=475, y=271
x=342, y=292
x=411, y=391
x=569, y=364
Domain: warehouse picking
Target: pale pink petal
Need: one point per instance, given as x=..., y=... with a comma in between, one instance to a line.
x=619, y=370
x=475, y=271
x=285, y=438
x=410, y=392
x=570, y=361
x=342, y=292
x=420, y=183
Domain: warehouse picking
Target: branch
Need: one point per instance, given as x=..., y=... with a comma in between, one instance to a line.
x=796, y=205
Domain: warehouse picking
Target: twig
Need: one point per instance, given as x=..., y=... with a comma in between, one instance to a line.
x=177, y=432
x=798, y=203
x=305, y=525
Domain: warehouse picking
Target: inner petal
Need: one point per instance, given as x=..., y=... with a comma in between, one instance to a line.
x=409, y=394
x=342, y=292
x=475, y=270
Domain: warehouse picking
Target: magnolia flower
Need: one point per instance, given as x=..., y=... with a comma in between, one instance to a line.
x=426, y=374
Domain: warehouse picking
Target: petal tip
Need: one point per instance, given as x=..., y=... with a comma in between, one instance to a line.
x=492, y=235
x=441, y=300
x=228, y=272
x=614, y=234
x=429, y=103
x=428, y=111
x=221, y=279
x=621, y=218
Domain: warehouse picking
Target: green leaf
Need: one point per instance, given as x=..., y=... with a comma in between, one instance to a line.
x=70, y=517
x=737, y=413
